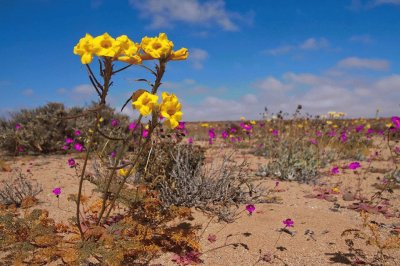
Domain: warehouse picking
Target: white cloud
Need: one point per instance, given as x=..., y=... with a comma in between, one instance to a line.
x=314, y=44
x=28, y=92
x=197, y=57
x=271, y=84
x=307, y=45
x=364, y=39
x=281, y=50
x=355, y=62
x=83, y=90
x=165, y=13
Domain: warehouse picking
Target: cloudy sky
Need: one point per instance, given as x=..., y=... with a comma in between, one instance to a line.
x=327, y=55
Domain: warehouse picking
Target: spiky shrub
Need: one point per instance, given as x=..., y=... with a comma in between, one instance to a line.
x=217, y=189
x=17, y=189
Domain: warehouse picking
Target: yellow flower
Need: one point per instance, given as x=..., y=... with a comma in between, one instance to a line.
x=180, y=54
x=242, y=118
x=145, y=103
x=124, y=172
x=329, y=122
x=335, y=126
x=368, y=126
x=300, y=125
x=253, y=122
x=170, y=109
x=127, y=50
x=157, y=47
x=85, y=49
x=105, y=45
x=336, y=190
x=204, y=125
x=389, y=125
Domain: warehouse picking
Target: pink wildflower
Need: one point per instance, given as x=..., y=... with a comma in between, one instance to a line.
x=57, y=191
x=288, y=222
x=250, y=208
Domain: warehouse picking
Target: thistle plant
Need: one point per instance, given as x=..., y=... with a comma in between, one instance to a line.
x=109, y=51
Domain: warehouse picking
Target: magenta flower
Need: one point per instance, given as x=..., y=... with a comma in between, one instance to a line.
x=359, y=128
x=331, y=133
x=65, y=147
x=313, y=141
x=145, y=133
x=18, y=127
x=396, y=121
x=247, y=127
x=318, y=134
x=343, y=137
x=233, y=130
x=354, y=165
x=250, y=208
x=224, y=135
x=78, y=147
x=210, y=141
x=21, y=149
x=114, y=122
x=370, y=131
x=71, y=162
x=211, y=134
x=69, y=140
x=288, y=223
x=57, y=191
x=397, y=150
x=181, y=126
x=275, y=132
x=132, y=126
x=335, y=170
x=77, y=132
x=190, y=140
x=233, y=139
x=113, y=154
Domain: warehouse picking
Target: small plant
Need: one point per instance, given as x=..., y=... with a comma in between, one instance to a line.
x=18, y=189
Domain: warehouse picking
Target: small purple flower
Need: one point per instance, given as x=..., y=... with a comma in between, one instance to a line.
x=212, y=238
x=114, y=122
x=247, y=127
x=359, y=128
x=71, y=162
x=233, y=139
x=21, y=149
x=396, y=121
x=77, y=132
x=210, y=141
x=190, y=140
x=233, y=130
x=288, y=222
x=18, y=127
x=132, y=126
x=211, y=134
x=250, y=208
x=318, y=134
x=354, y=165
x=275, y=132
x=57, y=191
x=397, y=150
x=113, y=154
x=145, y=133
x=335, y=170
x=69, y=140
x=65, y=147
x=343, y=137
x=181, y=126
x=78, y=147
x=224, y=135
x=331, y=133
x=313, y=141
x=370, y=131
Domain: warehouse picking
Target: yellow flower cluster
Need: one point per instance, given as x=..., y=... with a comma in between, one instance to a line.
x=170, y=107
x=125, y=50
x=336, y=114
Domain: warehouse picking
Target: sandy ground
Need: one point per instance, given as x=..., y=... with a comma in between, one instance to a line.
x=323, y=245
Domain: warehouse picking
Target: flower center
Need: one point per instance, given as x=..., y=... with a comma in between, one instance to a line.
x=106, y=44
x=156, y=45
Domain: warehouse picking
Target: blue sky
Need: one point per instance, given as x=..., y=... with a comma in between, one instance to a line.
x=244, y=55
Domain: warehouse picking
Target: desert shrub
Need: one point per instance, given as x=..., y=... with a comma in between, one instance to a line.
x=294, y=160
x=18, y=189
x=214, y=189
x=44, y=129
